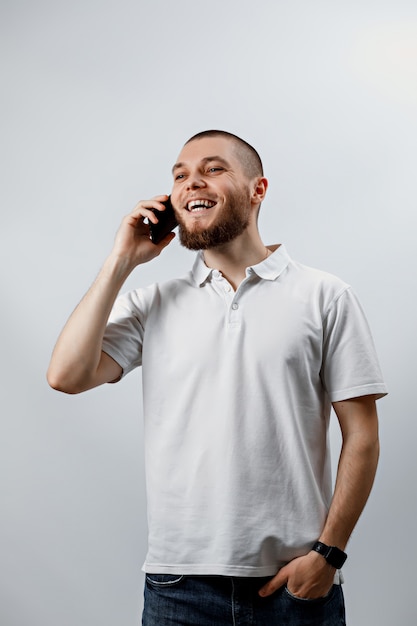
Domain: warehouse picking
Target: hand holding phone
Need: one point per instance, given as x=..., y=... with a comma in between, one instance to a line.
x=166, y=222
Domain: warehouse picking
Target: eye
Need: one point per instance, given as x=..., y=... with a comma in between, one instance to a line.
x=212, y=170
x=179, y=176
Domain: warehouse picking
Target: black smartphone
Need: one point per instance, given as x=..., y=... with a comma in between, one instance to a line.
x=166, y=222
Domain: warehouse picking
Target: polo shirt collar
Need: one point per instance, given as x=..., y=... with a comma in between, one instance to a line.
x=268, y=269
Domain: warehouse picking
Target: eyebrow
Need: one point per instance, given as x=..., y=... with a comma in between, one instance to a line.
x=205, y=161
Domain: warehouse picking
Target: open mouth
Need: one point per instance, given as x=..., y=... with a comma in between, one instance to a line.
x=195, y=206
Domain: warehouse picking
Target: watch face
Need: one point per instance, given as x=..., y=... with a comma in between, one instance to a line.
x=334, y=556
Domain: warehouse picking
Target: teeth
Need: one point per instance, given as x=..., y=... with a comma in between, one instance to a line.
x=200, y=205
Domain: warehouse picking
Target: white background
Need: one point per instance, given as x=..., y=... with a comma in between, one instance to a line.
x=97, y=99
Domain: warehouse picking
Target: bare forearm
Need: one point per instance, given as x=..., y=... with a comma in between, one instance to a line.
x=355, y=477
x=77, y=353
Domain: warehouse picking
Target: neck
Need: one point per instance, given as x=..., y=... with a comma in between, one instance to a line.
x=233, y=258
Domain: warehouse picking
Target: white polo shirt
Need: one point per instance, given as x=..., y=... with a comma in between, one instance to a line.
x=237, y=391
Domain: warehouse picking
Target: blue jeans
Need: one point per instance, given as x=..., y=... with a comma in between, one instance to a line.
x=174, y=600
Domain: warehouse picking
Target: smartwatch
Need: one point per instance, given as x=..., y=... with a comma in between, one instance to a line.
x=334, y=556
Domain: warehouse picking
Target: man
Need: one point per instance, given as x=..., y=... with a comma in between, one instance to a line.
x=242, y=360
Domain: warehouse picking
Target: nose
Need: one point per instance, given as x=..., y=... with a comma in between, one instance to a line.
x=195, y=181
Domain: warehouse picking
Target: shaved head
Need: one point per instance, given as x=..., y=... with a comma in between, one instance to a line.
x=247, y=155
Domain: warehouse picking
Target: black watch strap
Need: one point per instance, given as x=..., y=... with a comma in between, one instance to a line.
x=334, y=556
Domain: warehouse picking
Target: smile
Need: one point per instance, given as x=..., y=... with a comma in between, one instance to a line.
x=199, y=205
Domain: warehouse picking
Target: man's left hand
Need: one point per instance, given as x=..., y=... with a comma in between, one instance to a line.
x=308, y=577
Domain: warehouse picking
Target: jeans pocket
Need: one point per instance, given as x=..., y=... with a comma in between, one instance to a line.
x=164, y=580
x=311, y=600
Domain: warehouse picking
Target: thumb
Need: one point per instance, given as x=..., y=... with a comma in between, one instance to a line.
x=275, y=583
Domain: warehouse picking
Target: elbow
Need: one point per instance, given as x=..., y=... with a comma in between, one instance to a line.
x=62, y=383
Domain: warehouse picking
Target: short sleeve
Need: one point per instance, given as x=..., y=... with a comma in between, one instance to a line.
x=350, y=366
x=123, y=337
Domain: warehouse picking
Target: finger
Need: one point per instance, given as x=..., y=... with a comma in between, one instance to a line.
x=142, y=212
x=156, y=199
x=275, y=583
x=145, y=209
x=161, y=203
x=157, y=202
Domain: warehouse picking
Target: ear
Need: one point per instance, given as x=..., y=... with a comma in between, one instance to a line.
x=259, y=188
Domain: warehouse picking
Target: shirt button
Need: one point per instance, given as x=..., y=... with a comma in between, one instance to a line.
x=235, y=306
x=228, y=288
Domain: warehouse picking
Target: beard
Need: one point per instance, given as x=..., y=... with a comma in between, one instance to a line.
x=230, y=223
